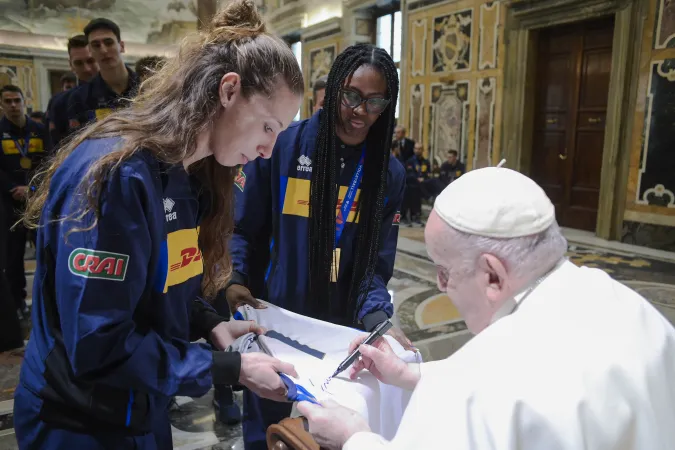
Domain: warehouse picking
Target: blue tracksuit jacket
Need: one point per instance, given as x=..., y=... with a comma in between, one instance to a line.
x=11, y=172
x=93, y=101
x=273, y=203
x=115, y=308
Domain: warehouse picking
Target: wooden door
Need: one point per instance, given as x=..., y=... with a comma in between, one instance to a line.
x=572, y=86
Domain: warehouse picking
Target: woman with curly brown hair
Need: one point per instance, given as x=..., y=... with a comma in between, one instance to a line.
x=133, y=218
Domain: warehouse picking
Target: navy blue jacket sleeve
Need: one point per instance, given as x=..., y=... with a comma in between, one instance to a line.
x=378, y=306
x=96, y=312
x=252, y=216
x=57, y=119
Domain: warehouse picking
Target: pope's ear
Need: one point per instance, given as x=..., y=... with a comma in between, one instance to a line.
x=495, y=275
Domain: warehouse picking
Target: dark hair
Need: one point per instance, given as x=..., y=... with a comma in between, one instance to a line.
x=102, y=24
x=68, y=76
x=148, y=65
x=171, y=111
x=77, y=41
x=11, y=88
x=453, y=152
x=319, y=85
x=323, y=187
x=37, y=115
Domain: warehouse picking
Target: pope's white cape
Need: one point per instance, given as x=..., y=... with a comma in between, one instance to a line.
x=583, y=363
x=382, y=405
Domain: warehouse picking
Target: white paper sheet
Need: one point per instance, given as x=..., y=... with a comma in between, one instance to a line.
x=382, y=405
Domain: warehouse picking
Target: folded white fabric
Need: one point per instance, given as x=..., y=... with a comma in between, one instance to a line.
x=316, y=348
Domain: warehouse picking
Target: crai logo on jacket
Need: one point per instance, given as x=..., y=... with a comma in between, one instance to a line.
x=97, y=264
x=397, y=218
x=240, y=180
x=184, y=257
x=304, y=164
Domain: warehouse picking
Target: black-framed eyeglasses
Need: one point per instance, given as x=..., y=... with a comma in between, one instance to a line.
x=353, y=100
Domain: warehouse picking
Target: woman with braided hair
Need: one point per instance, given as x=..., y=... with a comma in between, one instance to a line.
x=328, y=202
x=133, y=216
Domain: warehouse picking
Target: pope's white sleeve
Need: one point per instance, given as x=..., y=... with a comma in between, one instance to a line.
x=365, y=441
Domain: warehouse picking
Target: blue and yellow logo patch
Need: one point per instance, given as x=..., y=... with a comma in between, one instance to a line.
x=35, y=145
x=296, y=199
x=181, y=259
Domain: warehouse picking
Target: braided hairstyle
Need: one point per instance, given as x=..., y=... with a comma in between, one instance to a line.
x=324, y=189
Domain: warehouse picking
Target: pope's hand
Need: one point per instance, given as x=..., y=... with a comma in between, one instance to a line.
x=238, y=295
x=260, y=374
x=380, y=360
x=225, y=333
x=332, y=425
x=402, y=339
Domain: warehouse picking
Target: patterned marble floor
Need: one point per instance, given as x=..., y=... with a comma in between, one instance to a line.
x=427, y=317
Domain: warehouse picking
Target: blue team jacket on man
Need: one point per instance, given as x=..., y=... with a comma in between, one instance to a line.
x=115, y=307
x=273, y=202
x=95, y=100
x=12, y=172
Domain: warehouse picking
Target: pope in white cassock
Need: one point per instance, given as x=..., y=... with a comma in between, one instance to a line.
x=563, y=358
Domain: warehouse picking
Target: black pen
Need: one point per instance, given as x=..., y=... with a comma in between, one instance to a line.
x=377, y=333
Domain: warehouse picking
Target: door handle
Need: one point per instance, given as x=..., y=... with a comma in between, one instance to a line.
x=551, y=121
x=563, y=156
x=594, y=120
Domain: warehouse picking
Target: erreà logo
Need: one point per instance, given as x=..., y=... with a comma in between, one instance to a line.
x=168, y=208
x=98, y=265
x=304, y=164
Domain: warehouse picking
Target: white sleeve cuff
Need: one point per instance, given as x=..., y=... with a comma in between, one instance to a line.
x=365, y=441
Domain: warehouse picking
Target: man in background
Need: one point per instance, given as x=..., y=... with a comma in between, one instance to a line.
x=38, y=116
x=24, y=145
x=451, y=169
x=68, y=81
x=406, y=146
x=319, y=92
x=417, y=173
x=85, y=68
x=114, y=84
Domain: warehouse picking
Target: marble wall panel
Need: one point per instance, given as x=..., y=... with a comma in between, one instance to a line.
x=488, y=44
x=656, y=179
x=664, y=27
x=21, y=72
x=416, y=113
x=450, y=118
x=419, y=47
x=486, y=95
x=452, y=42
x=320, y=62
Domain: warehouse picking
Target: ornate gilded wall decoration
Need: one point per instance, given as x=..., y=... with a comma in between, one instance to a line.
x=485, y=116
x=20, y=73
x=320, y=62
x=450, y=118
x=363, y=27
x=488, y=43
x=656, y=177
x=452, y=42
x=416, y=124
x=419, y=47
x=664, y=28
